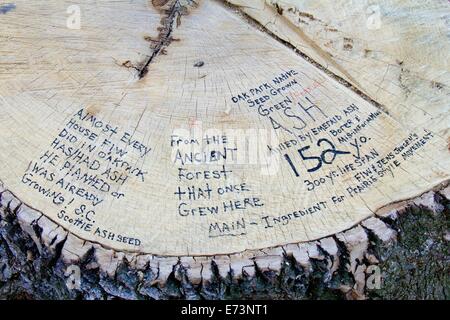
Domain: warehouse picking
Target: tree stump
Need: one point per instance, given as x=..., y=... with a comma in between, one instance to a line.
x=206, y=149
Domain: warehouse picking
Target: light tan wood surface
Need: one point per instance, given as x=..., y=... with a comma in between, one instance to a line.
x=98, y=124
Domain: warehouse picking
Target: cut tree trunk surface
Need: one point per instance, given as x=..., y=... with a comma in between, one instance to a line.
x=176, y=148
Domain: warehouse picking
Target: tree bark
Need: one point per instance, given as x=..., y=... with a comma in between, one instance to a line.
x=215, y=150
x=410, y=249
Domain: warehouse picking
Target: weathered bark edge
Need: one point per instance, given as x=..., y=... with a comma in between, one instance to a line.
x=351, y=251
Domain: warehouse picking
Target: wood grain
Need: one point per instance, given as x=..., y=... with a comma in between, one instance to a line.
x=214, y=86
